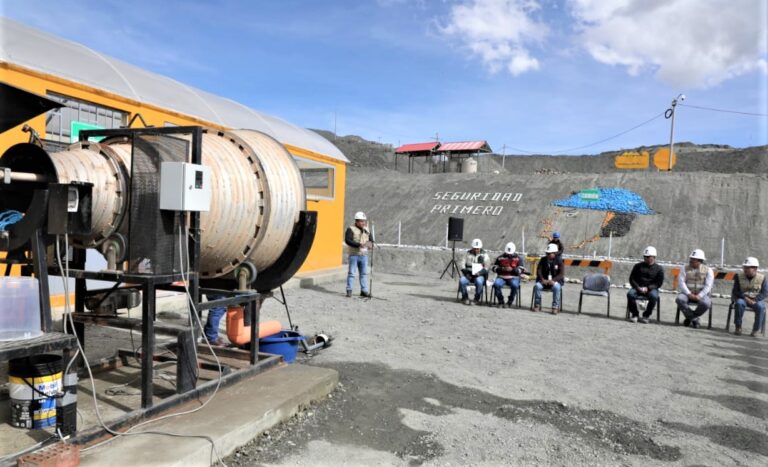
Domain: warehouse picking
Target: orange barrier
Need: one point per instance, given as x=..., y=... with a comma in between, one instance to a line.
x=719, y=275
x=604, y=264
x=239, y=334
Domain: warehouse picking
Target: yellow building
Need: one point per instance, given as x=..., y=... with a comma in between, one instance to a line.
x=102, y=92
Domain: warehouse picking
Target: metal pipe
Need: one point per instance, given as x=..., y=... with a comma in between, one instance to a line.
x=29, y=177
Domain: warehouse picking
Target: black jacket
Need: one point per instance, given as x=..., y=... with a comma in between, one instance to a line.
x=646, y=276
x=554, y=267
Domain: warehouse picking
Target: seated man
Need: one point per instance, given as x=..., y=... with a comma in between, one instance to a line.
x=749, y=290
x=508, y=268
x=646, y=279
x=694, y=285
x=550, y=274
x=474, y=271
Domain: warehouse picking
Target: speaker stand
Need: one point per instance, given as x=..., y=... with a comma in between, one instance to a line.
x=452, y=263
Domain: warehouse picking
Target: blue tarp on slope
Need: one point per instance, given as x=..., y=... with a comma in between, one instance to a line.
x=611, y=199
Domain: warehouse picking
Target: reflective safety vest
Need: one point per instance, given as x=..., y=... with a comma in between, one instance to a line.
x=751, y=287
x=695, y=278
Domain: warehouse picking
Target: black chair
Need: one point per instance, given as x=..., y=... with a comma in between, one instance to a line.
x=643, y=298
x=596, y=285
x=518, y=301
x=731, y=309
x=709, y=310
x=472, y=286
x=547, y=289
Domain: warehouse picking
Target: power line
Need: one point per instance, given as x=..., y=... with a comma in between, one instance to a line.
x=724, y=110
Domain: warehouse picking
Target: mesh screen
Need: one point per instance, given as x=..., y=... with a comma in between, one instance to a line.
x=153, y=246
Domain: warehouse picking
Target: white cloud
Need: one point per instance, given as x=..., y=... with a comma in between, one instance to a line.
x=685, y=43
x=499, y=32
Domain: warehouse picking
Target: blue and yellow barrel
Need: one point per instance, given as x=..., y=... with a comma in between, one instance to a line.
x=35, y=382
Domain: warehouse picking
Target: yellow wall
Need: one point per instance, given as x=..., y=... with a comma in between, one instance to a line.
x=327, y=249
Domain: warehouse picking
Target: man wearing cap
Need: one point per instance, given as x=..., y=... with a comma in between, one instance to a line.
x=749, y=290
x=358, y=241
x=550, y=275
x=694, y=285
x=508, y=268
x=555, y=240
x=646, y=279
x=475, y=265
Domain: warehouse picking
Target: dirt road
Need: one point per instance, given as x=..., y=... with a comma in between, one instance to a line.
x=425, y=380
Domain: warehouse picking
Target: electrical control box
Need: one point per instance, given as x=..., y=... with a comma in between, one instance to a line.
x=185, y=187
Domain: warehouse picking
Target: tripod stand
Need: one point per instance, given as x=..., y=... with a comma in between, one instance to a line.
x=452, y=263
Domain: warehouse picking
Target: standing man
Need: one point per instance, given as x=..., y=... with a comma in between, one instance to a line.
x=508, y=268
x=749, y=290
x=646, y=279
x=693, y=286
x=359, y=241
x=550, y=274
x=555, y=240
x=474, y=270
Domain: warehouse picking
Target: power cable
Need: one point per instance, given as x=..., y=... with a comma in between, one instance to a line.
x=723, y=110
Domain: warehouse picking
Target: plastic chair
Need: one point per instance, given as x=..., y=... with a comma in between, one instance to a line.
x=517, y=296
x=547, y=289
x=596, y=285
x=731, y=308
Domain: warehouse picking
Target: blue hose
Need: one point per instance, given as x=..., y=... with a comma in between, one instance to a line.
x=8, y=218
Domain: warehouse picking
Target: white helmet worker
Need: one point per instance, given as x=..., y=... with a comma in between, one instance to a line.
x=360, y=216
x=751, y=262
x=552, y=248
x=509, y=248
x=698, y=254
x=477, y=243
x=649, y=251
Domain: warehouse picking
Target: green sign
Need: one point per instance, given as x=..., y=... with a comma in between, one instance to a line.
x=76, y=127
x=590, y=194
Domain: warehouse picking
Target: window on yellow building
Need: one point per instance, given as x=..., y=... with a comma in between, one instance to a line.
x=318, y=178
x=61, y=125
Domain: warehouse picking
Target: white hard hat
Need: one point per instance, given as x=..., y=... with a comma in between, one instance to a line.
x=698, y=254
x=751, y=262
x=509, y=248
x=649, y=251
x=477, y=243
x=552, y=248
x=360, y=216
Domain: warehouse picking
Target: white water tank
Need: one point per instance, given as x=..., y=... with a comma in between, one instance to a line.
x=469, y=166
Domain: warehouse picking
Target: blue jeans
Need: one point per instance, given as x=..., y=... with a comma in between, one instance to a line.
x=759, y=309
x=653, y=300
x=479, y=282
x=514, y=286
x=358, y=262
x=556, y=289
x=211, y=328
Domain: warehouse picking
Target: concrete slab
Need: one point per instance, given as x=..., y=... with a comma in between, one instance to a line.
x=236, y=415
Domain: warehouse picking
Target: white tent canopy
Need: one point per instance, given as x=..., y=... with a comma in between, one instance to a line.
x=29, y=48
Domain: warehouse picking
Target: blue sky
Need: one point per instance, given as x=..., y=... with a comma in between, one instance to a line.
x=540, y=76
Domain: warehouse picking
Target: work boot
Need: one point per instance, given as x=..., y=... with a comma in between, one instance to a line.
x=633, y=319
x=737, y=332
x=695, y=324
x=686, y=322
x=645, y=320
x=536, y=308
x=365, y=294
x=555, y=310
x=753, y=334
x=465, y=301
x=349, y=293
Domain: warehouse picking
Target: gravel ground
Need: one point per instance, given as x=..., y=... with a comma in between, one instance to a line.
x=428, y=381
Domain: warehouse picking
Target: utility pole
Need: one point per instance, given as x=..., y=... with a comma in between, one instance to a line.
x=671, y=111
x=503, y=154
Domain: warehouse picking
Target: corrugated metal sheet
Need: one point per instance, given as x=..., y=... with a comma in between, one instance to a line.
x=42, y=52
x=481, y=146
x=417, y=147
